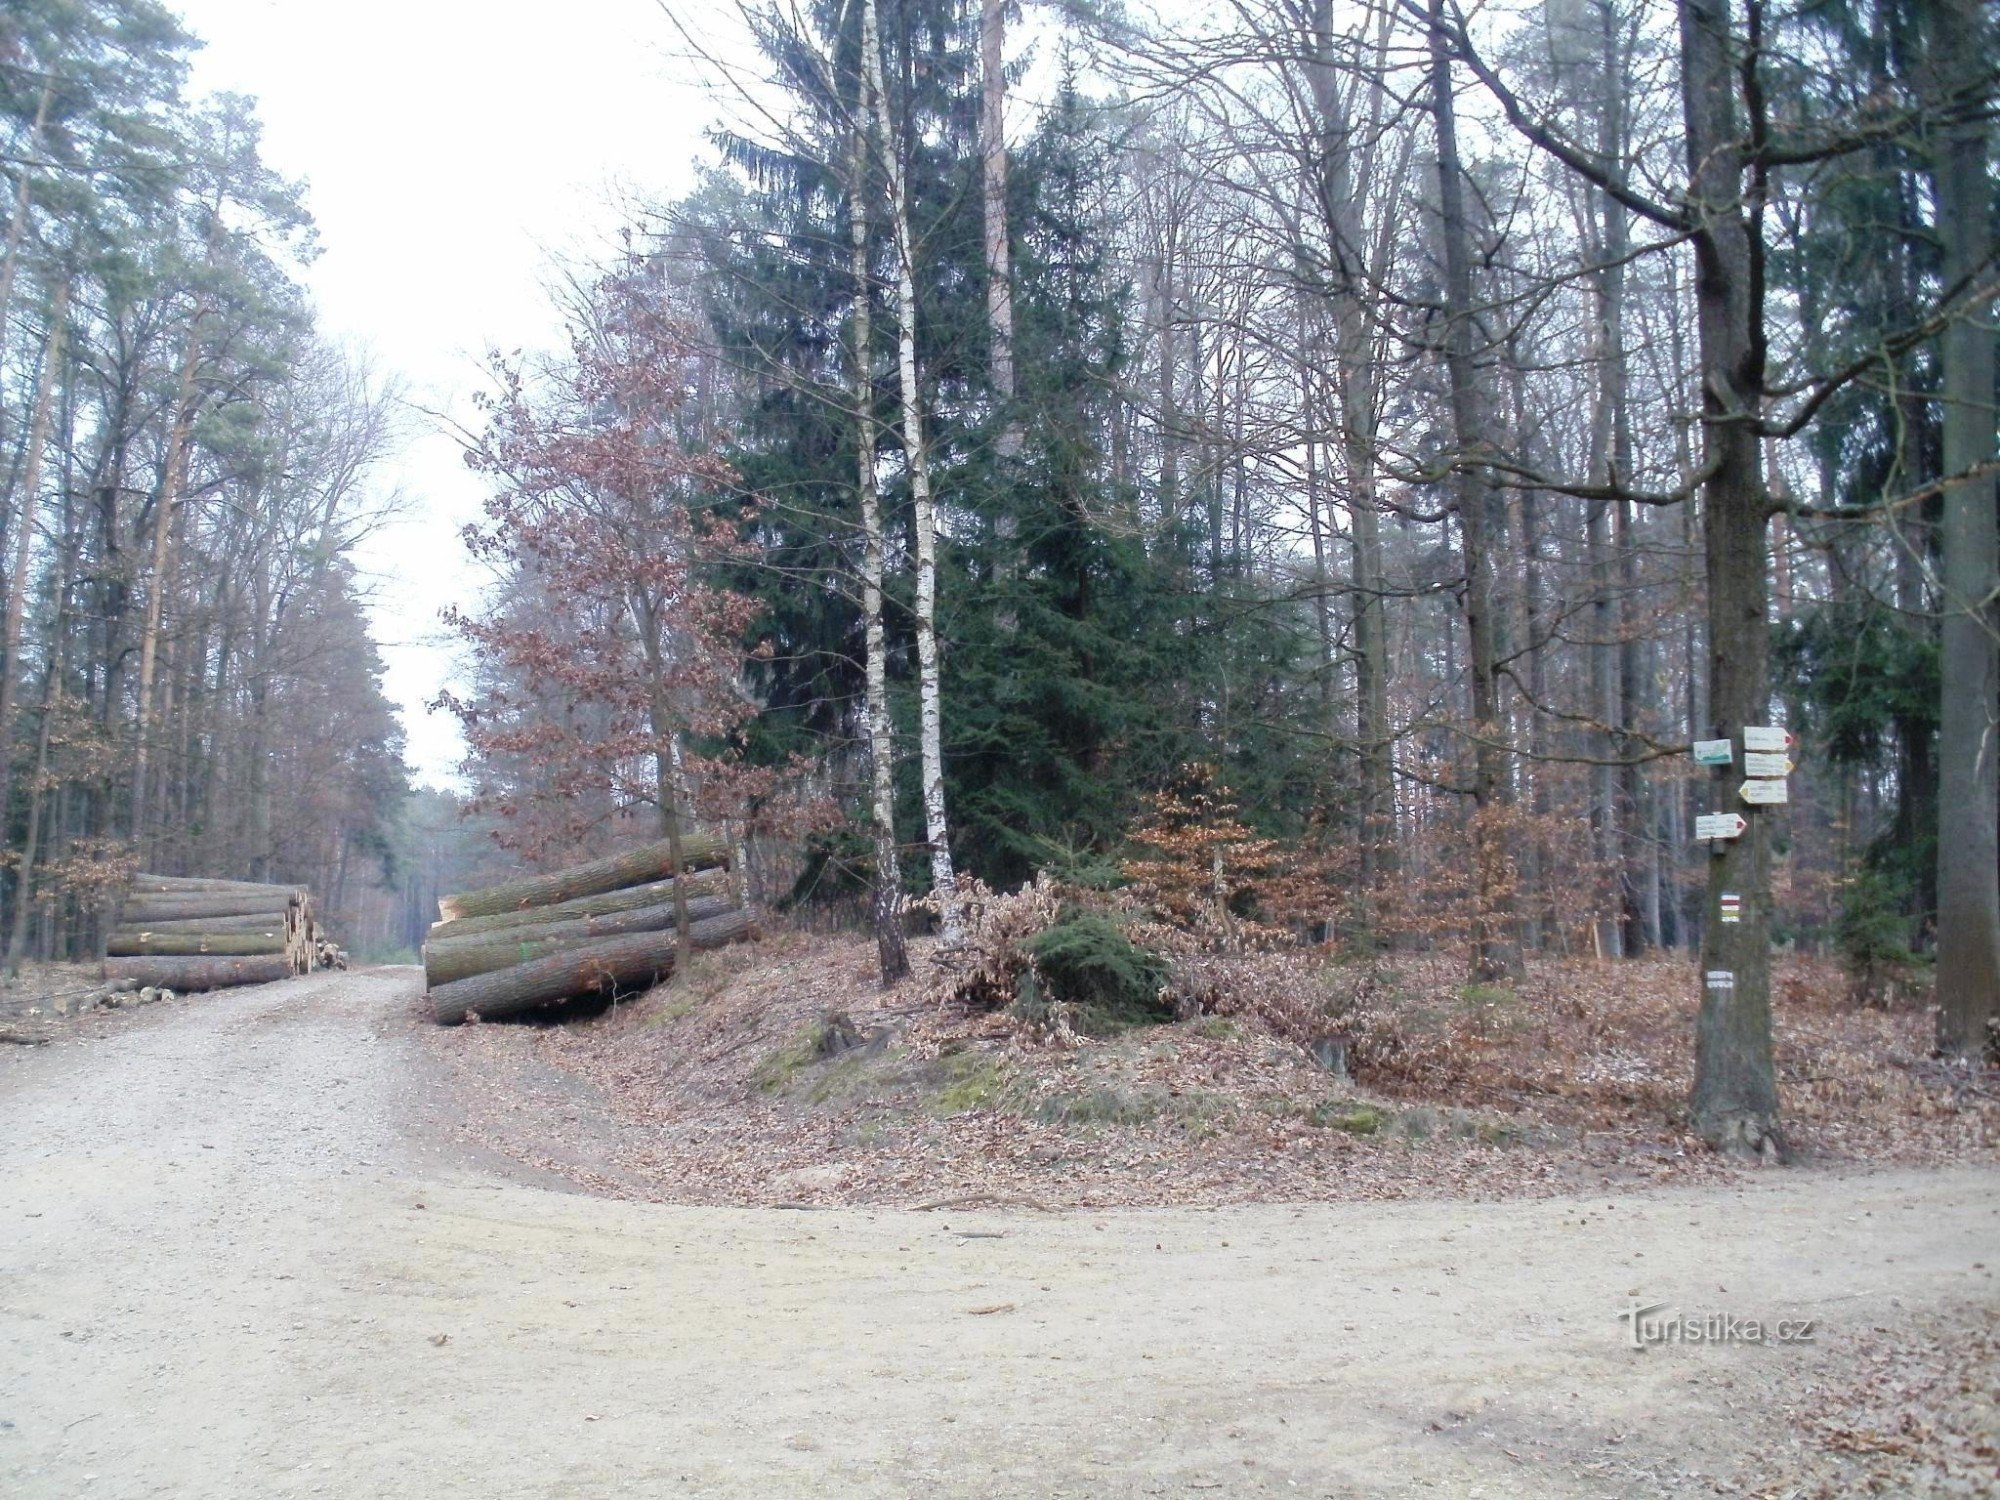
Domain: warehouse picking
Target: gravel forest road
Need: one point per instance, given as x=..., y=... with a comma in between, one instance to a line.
x=231, y=1266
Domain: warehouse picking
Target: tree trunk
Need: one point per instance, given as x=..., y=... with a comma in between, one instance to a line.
x=181, y=885
x=17, y=588
x=198, y=973
x=1358, y=375
x=621, y=963
x=171, y=480
x=930, y=723
x=17, y=223
x=269, y=923
x=1735, y=1098
x=127, y=942
x=999, y=279
x=1495, y=956
x=614, y=872
x=24, y=871
x=1968, y=932
x=891, y=951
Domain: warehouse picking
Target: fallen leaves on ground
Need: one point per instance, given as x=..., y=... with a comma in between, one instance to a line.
x=712, y=1090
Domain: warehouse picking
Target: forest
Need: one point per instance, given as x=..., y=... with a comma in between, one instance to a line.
x=1321, y=466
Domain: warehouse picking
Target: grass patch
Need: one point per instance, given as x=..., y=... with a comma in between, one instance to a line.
x=969, y=1081
x=832, y=1035
x=1361, y=1119
x=1418, y=1124
x=671, y=1009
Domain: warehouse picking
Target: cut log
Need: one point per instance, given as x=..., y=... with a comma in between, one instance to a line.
x=614, y=872
x=198, y=973
x=126, y=943
x=142, y=911
x=277, y=922
x=630, y=962
x=181, y=885
x=483, y=952
x=632, y=898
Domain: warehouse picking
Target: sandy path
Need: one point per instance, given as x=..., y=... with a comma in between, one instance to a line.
x=225, y=1263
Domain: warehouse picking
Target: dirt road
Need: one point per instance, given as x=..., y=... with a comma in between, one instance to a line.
x=229, y=1267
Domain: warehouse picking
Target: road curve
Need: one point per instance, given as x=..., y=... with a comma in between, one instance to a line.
x=229, y=1267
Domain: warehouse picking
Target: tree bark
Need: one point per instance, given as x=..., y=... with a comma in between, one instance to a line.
x=126, y=942
x=141, y=911
x=1358, y=374
x=461, y=958
x=999, y=280
x=1496, y=956
x=623, y=963
x=180, y=885
x=24, y=519
x=270, y=923
x=614, y=872
x=199, y=973
x=172, y=478
x=1735, y=1098
x=1968, y=931
x=930, y=723
x=630, y=898
x=31, y=841
x=892, y=953
x=17, y=223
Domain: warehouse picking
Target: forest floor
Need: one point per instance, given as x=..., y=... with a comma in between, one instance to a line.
x=779, y=1073
x=249, y=1249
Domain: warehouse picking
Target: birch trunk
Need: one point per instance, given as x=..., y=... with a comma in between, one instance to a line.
x=930, y=728
x=891, y=952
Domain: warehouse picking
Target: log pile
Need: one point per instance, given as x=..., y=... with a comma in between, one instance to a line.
x=185, y=933
x=612, y=924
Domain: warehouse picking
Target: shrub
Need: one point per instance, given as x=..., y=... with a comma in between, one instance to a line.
x=1088, y=963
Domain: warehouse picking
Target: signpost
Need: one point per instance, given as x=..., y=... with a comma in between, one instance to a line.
x=1767, y=737
x=1727, y=825
x=1763, y=793
x=1714, y=752
x=1767, y=763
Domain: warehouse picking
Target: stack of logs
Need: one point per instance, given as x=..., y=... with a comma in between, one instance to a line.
x=610, y=925
x=183, y=933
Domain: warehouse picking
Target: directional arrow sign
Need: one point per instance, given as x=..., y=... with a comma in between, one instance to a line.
x=1763, y=793
x=1714, y=752
x=1720, y=826
x=1766, y=763
x=1767, y=737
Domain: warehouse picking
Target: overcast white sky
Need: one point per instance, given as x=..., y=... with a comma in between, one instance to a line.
x=453, y=152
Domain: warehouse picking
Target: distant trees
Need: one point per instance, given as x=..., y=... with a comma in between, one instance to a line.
x=188, y=679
